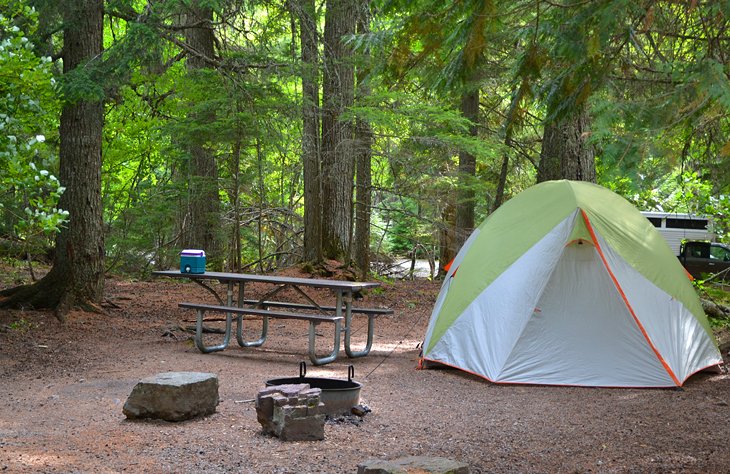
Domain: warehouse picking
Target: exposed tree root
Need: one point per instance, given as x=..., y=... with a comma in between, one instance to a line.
x=318, y=269
x=51, y=292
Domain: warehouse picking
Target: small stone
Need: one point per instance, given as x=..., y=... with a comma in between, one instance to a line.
x=360, y=410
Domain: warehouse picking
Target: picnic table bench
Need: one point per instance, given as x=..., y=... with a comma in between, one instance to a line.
x=314, y=320
x=311, y=311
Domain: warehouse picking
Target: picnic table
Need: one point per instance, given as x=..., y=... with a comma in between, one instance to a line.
x=268, y=307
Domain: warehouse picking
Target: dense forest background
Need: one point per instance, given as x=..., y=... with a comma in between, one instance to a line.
x=270, y=133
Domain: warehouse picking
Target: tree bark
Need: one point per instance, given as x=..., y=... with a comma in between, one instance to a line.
x=77, y=275
x=202, y=217
x=501, y=184
x=363, y=157
x=447, y=249
x=338, y=164
x=467, y=170
x=311, y=160
x=235, y=197
x=565, y=152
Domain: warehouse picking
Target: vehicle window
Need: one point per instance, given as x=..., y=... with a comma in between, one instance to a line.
x=656, y=221
x=698, y=250
x=720, y=253
x=700, y=224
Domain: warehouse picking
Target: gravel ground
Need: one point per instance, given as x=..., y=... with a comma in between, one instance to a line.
x=63, y=387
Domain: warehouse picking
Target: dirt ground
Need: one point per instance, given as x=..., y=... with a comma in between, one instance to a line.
x=62, y=388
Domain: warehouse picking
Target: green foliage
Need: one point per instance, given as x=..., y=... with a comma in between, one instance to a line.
x=653, y=74
x=443, y=42
x=246, y=118
x=420, y=142
x=675, y=191
x=665, y=111
x=410, y=231
x=21, y=325
x=718, y=294
x=29, y=191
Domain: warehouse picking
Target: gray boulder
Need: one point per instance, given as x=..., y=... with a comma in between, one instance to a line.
x=173, y=396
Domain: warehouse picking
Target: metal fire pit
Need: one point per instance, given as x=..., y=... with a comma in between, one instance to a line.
x=338, y=396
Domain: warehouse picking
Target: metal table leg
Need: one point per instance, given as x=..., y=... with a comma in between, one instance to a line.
x=239, y=324
x=312, y=339
x=199, y=334
x=347, y=300
x=258, y=342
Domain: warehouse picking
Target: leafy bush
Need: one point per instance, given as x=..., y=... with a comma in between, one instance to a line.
x=28, y=112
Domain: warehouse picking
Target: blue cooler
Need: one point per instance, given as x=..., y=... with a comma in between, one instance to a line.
x=192, y=261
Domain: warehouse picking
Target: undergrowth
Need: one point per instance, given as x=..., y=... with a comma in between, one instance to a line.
x=718, y=294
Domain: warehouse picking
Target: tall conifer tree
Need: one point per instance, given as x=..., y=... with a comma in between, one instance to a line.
x=77, y=275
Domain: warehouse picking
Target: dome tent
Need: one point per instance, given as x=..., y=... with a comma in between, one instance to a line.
x=568, y=284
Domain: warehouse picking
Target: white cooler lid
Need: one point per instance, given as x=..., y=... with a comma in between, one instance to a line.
x=192, y=253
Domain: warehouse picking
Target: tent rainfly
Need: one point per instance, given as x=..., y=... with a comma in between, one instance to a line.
x=568, y=284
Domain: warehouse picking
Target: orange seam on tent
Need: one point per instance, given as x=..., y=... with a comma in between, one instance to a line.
x=626, y=301
x=689, y=275
x=459, y=368
x=717, y=364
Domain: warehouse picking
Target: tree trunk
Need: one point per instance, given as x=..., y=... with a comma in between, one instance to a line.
x=203, y=206
x=446, y=238
x=338, y=164
x=235, y=197
x=565, y=152
x=467, y=171
x=501, y=184
x=77, y=276
x=363, y=157
x=363, y=200
x=311, y=161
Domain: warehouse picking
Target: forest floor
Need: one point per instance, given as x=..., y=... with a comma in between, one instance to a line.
x=62, y=388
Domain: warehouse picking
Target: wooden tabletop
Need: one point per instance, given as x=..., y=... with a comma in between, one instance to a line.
x=274, y=279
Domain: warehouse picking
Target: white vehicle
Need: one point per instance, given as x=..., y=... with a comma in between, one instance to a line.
x=677, y=227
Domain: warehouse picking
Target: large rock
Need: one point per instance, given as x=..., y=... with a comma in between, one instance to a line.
x=291, y=412
x=414, y=465
x=173, y=396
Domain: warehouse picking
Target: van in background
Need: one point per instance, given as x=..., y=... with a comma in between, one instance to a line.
x=677, y=228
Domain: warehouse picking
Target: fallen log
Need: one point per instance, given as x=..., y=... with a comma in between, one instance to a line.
x=715, y=310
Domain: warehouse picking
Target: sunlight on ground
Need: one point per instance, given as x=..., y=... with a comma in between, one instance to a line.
x=40, y=462
x=718, y=378
x=406, y=345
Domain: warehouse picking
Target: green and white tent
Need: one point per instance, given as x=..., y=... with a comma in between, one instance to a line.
x=568, y=284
